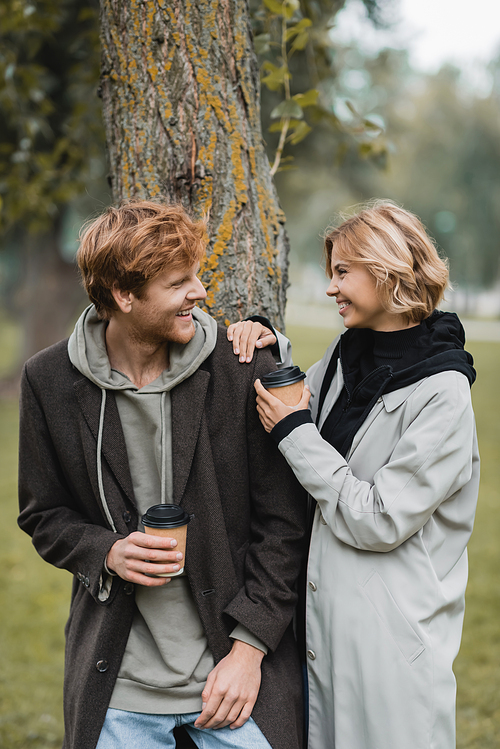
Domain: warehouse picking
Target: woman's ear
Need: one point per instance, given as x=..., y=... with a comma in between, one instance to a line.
x=123, y=299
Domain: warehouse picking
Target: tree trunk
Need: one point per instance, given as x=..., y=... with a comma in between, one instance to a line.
x=181, y=104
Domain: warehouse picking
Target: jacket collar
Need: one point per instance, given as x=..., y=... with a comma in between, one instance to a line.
x=188, y=400
x=113, y=442
x=397, y=397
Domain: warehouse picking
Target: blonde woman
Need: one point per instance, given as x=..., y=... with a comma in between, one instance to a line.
x=386, y=448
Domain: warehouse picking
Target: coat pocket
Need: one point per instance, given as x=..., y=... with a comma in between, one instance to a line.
x=403, y=634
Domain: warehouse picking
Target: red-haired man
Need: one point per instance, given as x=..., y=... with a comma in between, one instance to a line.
x=146, y=404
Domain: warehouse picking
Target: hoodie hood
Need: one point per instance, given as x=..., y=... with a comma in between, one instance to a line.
x=377, y=363
x=87, y=352
x=436, y=345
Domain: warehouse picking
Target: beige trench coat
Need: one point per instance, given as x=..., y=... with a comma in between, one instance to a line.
x=387, y=569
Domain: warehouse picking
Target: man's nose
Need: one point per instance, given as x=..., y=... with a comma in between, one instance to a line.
x=197, y=291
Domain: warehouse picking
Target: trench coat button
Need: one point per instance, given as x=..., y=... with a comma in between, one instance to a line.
x=128, y=588
x=311, y=654
x=102, y=666
x=127, y=516
x=312, y=585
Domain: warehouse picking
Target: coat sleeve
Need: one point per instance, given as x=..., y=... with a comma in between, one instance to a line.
x=266, y=603
x=431, y=462
x=61, y=532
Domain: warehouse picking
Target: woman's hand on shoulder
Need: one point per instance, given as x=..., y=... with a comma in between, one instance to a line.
x=246, y=336
x=272, y=410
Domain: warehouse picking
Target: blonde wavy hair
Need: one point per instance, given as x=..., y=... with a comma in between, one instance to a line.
x=393, y=245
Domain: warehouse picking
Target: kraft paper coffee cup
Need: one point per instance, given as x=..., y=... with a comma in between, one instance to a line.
x=169, y=521
x=287, y=384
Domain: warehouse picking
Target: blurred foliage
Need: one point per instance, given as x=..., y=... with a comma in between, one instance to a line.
x=52, y=158
x=51, y=133
x=299, y=72
x=442, y=161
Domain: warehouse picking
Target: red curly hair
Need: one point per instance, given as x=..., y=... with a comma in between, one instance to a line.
x=129, y=246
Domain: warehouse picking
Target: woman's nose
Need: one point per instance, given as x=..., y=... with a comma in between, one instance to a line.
x=333, y=288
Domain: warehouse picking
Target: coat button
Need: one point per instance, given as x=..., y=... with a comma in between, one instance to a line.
x=102, y=666
x=128, y=588
x=86, y=582
x=312, y=585
x=311, y=654
x=127, y=516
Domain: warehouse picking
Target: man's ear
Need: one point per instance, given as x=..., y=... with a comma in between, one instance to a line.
x=123, y=299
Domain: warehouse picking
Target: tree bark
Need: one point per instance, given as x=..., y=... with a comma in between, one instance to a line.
x=180, y=89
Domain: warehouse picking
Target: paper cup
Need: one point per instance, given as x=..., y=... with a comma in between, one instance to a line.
x=169, y=521
x=287, y=384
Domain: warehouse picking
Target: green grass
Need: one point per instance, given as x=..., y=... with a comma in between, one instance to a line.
x=34, y=596
x=34, y=600
x=9, y=344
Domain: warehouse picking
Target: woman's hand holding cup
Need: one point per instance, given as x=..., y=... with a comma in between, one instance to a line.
x=271, y=410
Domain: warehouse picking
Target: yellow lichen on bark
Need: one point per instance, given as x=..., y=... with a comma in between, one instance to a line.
x=151, y=66
x=224, y=234
x=212, y=288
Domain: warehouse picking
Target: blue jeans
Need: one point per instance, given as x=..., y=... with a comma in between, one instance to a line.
x=125, y=730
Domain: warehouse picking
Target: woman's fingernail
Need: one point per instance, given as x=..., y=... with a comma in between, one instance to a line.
x=249, y=359
x=236, y=351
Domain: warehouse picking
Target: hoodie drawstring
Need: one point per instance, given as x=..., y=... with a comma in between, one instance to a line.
x=99, y=462
x=163, y=449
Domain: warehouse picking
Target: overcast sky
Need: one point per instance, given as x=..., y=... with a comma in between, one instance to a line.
x=435, y=31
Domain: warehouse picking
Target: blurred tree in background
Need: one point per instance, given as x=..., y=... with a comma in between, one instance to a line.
x=51, y=157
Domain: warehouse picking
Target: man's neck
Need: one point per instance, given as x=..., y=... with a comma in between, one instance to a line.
x=141, y=362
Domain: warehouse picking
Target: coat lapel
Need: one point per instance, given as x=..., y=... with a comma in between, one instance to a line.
x=113, y=441
x=188, y=401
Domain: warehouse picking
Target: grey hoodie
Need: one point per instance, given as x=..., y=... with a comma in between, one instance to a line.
x=145, y=412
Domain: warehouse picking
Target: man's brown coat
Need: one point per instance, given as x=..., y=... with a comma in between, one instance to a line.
x=245, y=543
